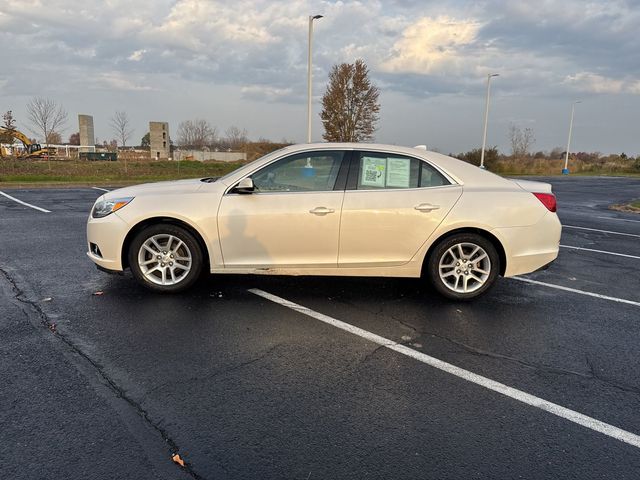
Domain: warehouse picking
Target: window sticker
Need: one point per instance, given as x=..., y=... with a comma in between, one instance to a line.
x=373, y=171
x=398, y=172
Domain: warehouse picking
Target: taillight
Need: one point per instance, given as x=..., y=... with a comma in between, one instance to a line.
x=548, y=200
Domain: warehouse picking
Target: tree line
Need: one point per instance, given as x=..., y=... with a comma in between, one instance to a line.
x=47, y=120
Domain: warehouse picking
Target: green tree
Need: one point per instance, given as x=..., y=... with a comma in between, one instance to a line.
x=146, y=141
x=473, y=156
x=350, y=108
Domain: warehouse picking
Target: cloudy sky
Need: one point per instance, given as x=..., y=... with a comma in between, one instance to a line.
x=243, y=63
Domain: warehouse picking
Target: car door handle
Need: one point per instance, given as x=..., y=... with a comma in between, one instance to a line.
x=321, y=210
x=426, y=207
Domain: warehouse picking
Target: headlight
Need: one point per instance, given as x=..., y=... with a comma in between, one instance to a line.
x=105, y=207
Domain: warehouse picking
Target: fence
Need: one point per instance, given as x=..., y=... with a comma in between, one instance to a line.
x=202, y=156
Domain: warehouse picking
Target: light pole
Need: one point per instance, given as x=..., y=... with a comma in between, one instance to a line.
x=565, y=170
x=486, y=118
x=311, y=19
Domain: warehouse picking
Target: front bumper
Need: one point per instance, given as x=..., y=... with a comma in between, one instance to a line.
x=108, y=234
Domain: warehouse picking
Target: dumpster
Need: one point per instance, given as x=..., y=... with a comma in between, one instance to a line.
x=99, y=156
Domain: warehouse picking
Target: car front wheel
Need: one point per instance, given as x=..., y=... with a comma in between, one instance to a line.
x=463, y=266
x=165, y=258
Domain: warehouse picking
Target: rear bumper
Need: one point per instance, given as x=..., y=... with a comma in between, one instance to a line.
x=530, y=248
x=544, y=267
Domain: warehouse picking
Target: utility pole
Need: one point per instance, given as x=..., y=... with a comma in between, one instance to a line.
x=565, y=170
x=486, y=118
x=309, y=89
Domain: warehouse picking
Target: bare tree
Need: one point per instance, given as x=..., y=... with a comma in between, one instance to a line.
x=350, y=108
x=46, y=116
x=235, y=138
x=121, y=127
x=521, y=140
x=196, y=134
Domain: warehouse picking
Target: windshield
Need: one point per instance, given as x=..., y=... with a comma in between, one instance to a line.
x=248, y=166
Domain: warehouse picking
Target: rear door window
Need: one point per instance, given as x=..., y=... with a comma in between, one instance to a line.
x=380, y=171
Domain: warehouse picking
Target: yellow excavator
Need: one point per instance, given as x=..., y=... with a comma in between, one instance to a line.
x=31, y=150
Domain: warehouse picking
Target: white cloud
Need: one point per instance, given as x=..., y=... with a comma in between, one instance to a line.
x=118, y=81
x=266, y=93
x=432, y=46
x=594, y=83
x=198, y=24
x=634, y=87
x=137, y=55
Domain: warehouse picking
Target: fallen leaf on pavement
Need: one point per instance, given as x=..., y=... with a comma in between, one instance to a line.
x=176, y=458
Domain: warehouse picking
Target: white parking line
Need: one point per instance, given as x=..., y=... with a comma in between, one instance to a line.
x=575, y=290
x=101, y=189
x=600, y=251
x=25, y=203
x=620, y=219
x=602, y=231
x=519, y=395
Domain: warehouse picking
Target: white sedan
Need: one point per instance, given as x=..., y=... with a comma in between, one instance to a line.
x=331, y=209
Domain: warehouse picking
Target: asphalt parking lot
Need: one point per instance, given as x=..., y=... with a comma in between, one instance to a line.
x=373, y=378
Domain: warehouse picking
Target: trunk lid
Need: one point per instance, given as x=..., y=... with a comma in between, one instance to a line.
x=533, y=186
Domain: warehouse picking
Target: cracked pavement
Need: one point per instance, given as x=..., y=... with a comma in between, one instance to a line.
x=110, y=386
x=62, y=417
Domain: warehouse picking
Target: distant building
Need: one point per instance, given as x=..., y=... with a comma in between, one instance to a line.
x=87, y=138
x=159, y=141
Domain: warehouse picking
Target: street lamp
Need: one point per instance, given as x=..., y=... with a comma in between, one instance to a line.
x=486, y=118
x=311, y=19
x=565, y=170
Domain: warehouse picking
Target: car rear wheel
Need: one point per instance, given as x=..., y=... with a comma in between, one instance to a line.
x=463, y=266
x=165, y=258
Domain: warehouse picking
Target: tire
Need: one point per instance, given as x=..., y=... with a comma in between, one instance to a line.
x=165, y=258
x=463, y=266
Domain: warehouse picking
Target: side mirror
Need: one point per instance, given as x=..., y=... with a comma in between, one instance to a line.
x=245, y=186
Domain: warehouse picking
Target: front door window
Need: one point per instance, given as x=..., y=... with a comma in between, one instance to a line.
x=304, y=172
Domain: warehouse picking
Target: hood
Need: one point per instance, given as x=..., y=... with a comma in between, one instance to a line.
x=531, y=186
x=173, y=186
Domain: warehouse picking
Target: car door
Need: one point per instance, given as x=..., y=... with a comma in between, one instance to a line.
x=292, y=218
x=392, y=204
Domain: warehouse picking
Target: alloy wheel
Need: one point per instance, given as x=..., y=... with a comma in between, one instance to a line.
x=465, y=267
x=164, y=259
